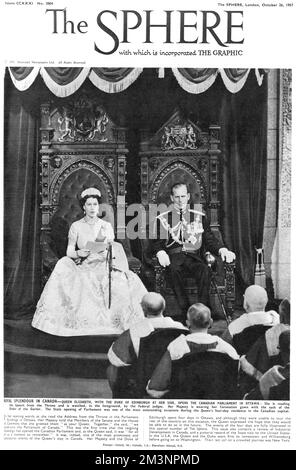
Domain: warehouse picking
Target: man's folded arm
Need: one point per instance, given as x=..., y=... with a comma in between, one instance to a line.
x=120, y=353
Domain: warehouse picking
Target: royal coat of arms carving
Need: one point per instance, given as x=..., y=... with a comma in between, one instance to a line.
x=82, y=120
x=179, y=137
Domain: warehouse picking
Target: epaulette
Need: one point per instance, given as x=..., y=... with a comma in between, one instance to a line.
x=162, y=214
x=196, y=212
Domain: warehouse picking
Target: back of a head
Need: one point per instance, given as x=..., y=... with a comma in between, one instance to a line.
x=284, y=341
x=255, y=298
x=153, y=304
x=284, y=311
x=199, y=316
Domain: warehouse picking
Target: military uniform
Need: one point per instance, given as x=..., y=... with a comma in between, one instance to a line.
x=186, y=236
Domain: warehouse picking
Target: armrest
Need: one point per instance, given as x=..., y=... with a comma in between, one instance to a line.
x=49, y=257
x=133, y=262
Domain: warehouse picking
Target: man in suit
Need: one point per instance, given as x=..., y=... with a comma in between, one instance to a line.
x=183, y=236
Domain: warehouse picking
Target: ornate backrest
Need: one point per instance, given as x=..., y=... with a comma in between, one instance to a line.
x=181, y=152
x=80, y=147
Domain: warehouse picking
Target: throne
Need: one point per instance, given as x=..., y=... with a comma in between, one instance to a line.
x=80, y=147
x=181, y=152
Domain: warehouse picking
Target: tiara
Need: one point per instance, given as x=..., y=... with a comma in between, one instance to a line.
x=90, y=192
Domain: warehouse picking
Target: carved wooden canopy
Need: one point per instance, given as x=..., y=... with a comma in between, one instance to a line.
x=80, y=147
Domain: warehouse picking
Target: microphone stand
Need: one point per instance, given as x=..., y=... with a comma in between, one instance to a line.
x=109, y=259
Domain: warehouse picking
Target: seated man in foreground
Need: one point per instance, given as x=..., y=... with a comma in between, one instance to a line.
x=264, y=353
x=125, y=350
x=243, y=332
x=199, y=321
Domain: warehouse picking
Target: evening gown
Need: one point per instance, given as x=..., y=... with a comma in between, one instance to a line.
x=75, y=299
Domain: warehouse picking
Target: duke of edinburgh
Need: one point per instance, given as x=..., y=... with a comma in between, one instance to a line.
x=183, y=235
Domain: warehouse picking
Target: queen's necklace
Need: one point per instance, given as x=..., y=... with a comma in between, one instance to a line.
x=90, y=223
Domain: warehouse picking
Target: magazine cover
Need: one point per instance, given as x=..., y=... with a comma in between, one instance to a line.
x=147, y=226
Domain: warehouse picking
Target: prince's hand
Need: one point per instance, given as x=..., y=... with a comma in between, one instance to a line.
x=227, y=255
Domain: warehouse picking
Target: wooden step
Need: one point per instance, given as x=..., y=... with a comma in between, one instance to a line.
x=21, y=333
x=21, y=359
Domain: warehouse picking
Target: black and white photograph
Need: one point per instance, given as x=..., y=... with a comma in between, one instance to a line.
x=147, y=216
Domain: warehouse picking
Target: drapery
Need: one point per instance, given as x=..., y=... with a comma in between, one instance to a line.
x=243, y=119
x=64, y=81
x=21, y=208
x=196, y=81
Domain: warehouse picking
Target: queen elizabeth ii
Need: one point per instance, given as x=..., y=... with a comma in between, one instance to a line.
x=76, y=299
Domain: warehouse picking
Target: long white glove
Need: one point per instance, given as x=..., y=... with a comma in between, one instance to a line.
x=227, y=255
x=163, y=258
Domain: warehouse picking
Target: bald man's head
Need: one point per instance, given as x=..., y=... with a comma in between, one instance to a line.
x=153, y=304
x=255, y=299
x=199, y=317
